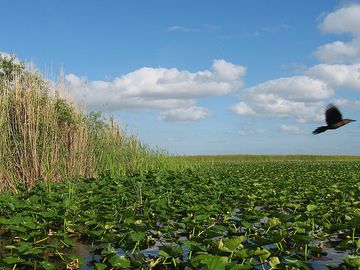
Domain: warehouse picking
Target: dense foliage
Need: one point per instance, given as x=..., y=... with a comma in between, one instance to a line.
x=45, y=137
x=250, y=215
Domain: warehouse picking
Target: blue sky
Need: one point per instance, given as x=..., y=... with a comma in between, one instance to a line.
x=203, y=77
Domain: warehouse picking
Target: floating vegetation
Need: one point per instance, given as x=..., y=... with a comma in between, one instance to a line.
x=251, y=215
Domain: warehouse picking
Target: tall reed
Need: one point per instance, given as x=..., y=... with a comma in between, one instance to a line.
x=44, y=137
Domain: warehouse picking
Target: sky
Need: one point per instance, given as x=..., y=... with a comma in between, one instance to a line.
x=206, y=76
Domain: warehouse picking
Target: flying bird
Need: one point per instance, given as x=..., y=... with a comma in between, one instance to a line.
x=333, y=119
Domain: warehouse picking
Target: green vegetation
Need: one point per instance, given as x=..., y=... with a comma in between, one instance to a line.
x=45, y=137
x=78, y=191
x=249, y=215
x=271, y=158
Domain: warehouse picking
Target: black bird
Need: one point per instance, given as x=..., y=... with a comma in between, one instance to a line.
x=333, y=119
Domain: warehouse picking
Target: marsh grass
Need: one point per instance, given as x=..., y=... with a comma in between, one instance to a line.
x=46, y=137
x=268, y=158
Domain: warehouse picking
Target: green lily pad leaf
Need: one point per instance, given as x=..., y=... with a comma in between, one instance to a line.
x=48, y=214
x=230, y=245
x=100, y=266
x=96, y=233
x=235, y=242
x=273, y=222
x=138, y=236
x=5, y=221
x=262, y=253
x=80, y=260
x=23, y=247
x=301, y=230
x=13, y=260
x=66, y=203
x=311, y=207
x=244, y=253
x=211, y=262
x=11, y=206
x=29, y=224
x=357, y=243
x=299, y=264
x=119, y=261
x=355, y=222
x=274, y=261
x=17, y=228
x=48, y=265
x=352, y=260
x=129, y=220
x=235, y=266
x=170, y=251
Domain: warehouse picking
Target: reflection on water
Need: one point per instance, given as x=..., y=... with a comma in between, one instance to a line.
x=333, y=257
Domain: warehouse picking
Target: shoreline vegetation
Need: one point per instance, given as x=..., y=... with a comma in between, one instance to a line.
x=239, y=158
x=45, y=137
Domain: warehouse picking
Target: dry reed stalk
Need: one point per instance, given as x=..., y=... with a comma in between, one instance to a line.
x=45, y=137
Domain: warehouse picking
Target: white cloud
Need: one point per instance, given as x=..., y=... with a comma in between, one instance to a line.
x=299, y=97
x=344, y=20
x=249, y=132
x=304, y=97
x=192, y=113
x=159, y=89
x=177, y=28
x=206, y=28
x=242, y=108
x=338, y=76
x=355, y=104
x=339, y=52
x=290, y=129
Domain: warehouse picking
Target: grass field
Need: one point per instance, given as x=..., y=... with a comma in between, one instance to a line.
x=227, y=212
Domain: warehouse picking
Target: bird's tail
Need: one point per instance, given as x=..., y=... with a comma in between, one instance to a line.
x=320, y=129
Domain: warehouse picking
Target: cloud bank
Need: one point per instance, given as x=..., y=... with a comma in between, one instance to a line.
x=299, y=97
x=304, y=97
x=171, y=91
x=345, y=20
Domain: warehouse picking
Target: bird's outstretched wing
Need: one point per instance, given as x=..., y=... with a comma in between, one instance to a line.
x=320, y=130
x=332, y=115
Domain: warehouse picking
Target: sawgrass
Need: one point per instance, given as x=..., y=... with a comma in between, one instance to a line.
x=45, y=137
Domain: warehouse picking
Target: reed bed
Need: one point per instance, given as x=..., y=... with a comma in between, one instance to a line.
x=45, y=137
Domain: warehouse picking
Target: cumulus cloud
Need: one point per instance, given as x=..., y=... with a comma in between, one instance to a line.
x=354, y=104
x=344, y=20
x=339, y=52
x=249, y=132
x=304, y=97
x=170, y=89
x=290, y=129
x=338, y=76
x=242, y=108
x=299, y=97
x=184, y=114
